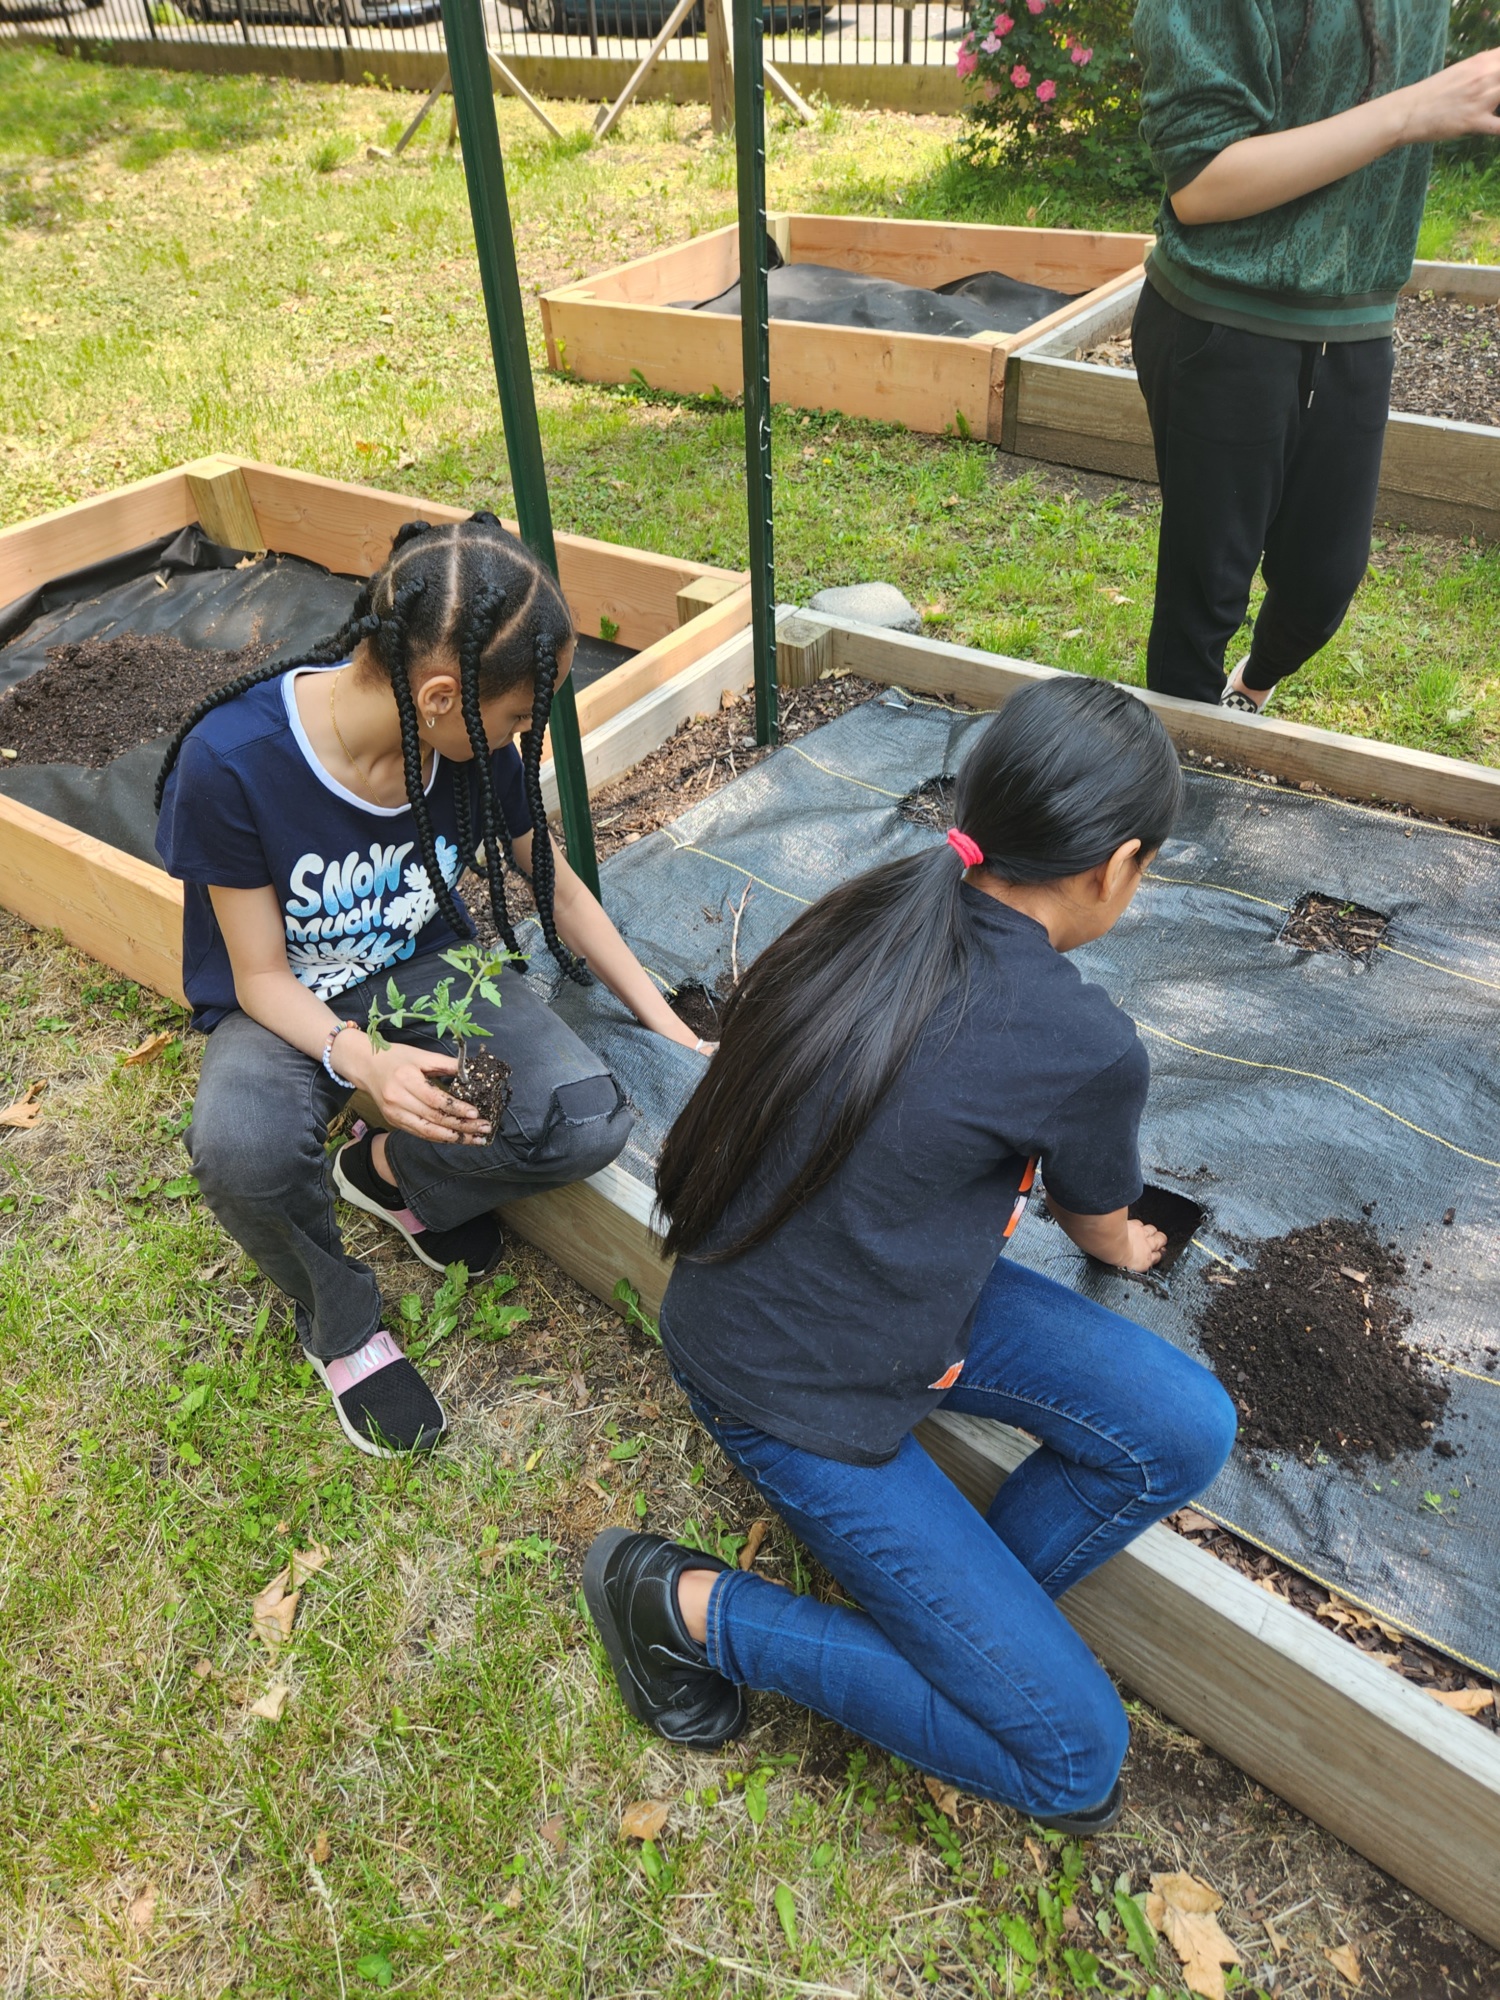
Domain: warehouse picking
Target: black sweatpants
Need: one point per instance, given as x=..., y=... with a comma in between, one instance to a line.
x=1268, y=452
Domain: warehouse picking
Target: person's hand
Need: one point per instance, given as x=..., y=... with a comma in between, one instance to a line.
x=1145, y=1246
x=1459, y=101
x=399, y=1079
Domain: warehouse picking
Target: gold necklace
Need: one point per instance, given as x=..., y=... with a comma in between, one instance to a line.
x=333, y=717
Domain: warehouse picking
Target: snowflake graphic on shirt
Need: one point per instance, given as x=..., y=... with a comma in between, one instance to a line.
x=343, y=924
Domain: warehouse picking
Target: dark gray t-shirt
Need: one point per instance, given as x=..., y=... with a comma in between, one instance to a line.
x=849, y=1324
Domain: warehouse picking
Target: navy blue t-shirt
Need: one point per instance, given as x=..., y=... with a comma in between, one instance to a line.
x=850, y=1323
x=248, y=806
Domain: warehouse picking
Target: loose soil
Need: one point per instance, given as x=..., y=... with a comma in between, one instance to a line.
x=1308, y=1342
x=482, y=1080
x=699, y=1009
x=1447, y=359
x=1178, y=1218
x=100, y=697
x=1323, y=923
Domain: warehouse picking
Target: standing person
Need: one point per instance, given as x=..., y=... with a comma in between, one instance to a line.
x=320, y=814
x=1295, y=140
x=841, y=1187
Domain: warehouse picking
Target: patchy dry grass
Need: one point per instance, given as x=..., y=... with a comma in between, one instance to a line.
x=450, y=1731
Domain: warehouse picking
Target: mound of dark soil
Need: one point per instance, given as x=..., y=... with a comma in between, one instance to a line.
x=100, y=697
x=1323, y=923
x=1308, y=1343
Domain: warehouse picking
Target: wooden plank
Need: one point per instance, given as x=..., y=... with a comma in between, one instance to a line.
x=1393, y=1773
x=119, y=910
x=935, y=253
x=33, y=552
x=223, y=502
x=1438, y=458
x=1353, y=766
x=599, y=1231
x=704, y=592
x=804, y=652
x=1479, y=283
x=661, y=662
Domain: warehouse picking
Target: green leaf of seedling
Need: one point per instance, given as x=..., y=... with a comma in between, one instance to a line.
x=411, y=1308
x=376, y=1967
x=652, y=1862
x=488, y=990
x=1018, y=1935
x=631, y=1448
x=1050, y=1911
x=786, y=1910
x=459, y=959
x=755, y=1797
x=183, y=1185
x=1138, y=1933
x=187, y=1454
x=193, y=1400
x=1083, y=1966
x=823, y=1854
x=640, y=1506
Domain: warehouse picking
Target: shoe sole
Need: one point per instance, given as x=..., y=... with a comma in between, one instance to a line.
x=356, y=1199
x=368, y=1445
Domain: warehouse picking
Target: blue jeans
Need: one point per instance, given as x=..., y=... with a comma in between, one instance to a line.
x=959, y=1660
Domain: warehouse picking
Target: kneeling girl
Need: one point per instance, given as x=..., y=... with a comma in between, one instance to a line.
x=894, y=1073
x=320, y=815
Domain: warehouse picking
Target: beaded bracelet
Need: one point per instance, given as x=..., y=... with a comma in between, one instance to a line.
x=333, y=1035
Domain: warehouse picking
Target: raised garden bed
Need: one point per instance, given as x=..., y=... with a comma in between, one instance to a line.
x=1071, y=398
x=674, y=617
x=636, y=322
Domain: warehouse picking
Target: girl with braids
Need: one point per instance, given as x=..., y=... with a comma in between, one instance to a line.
x=1295, y=138
x=841, y=1187
x=320, y=815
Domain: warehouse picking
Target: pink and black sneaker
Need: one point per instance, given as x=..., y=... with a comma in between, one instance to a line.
x=384, y=1407
x=478, y=1244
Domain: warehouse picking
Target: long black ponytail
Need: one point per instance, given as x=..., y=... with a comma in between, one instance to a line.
x=1066, y=773
x=472, y=592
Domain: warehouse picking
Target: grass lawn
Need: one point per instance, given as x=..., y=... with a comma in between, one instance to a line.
x=193, y=266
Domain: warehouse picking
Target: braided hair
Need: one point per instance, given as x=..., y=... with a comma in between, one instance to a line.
x=1375, y=50
x=471, y=590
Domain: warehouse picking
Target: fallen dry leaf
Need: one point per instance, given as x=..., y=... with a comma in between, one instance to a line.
x=644, y=1820
x=1038, y=1859
x=322, y=1849
x=512, y=1897
x=204, y=1669
x=1467, y=1701
x=307, y=1562
x=1345, y=1961
x=272, y=1702
x=552, y=1832
x=273, y=1609
x=1274, y=1938
x=755, y=1535
x=24, y=1113
x=1182, y=1909
x=149, y=1049
x=143, y=1908
x=944, y=1797
x=1117, y=596
x=1189, y=1522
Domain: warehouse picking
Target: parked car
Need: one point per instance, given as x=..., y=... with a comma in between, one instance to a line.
x=643, y=20
x=316, y=13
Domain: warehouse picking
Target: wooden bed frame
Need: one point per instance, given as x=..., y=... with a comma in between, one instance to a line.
x=621, y=326
x=1437, y=473
x=1402, y=1779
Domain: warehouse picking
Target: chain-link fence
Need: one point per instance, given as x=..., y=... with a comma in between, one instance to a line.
x=801, y=33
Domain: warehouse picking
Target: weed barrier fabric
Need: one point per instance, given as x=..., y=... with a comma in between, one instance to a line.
x=186, y=586
x=1288, y=1086
x=988, y=302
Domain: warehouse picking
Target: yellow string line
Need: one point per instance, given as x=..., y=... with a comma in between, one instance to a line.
x=863, y=783
x=1199, y=1245
x=1345, y=805
x=687, y=847
x=1191, y=882
x=1434, y=966
x=1376, y=1611
x=1313, y=1076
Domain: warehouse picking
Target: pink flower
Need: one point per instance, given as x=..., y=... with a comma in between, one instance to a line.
x=1045, y=92
x=1003, y=24
x=989, y=91
x=990, y=44
x=966, y=64
x=1020, y=76
x=1035, y=6
x=1080, y=55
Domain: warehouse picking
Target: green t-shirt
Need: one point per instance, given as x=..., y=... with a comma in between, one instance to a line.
x=1327, y=266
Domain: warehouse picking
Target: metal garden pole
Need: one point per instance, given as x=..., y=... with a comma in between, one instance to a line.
x=750, y=147
x=474, y=106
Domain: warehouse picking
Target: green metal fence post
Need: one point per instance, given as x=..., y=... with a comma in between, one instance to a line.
x=750, y=147
x=473, y=100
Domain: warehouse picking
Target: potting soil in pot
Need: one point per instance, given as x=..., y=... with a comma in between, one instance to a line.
x=97, y=669
x=1331, y=1103
x=987, y=302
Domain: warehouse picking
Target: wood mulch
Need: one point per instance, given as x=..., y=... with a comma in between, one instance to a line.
x=1447, y=358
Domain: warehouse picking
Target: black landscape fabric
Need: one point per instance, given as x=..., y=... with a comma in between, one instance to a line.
x=1289, y=1086
x=185, y=587
x=988, y=302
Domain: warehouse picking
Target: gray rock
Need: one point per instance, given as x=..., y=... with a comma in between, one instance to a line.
x=871, y=604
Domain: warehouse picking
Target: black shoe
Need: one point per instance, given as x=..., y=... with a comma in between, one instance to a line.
x=1099, y=1820
x=630, y=1587
x=383, y=1405
x=477, y=1244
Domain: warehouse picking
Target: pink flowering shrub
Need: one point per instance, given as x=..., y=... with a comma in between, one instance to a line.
x=1056, y=81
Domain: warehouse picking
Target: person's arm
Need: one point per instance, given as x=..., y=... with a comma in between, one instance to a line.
x=584, y=928
x=269, y=992
x=1113, y=1239
x=1260, y=173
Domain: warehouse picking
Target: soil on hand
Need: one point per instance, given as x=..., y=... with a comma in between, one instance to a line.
x=1177, y=1216
x=483, y=1080
x=1323, y=923
x=1308, y=1342
x=100, y=697
x=698, y=1009
x=1447, y=358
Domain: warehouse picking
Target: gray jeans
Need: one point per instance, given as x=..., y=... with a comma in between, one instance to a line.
x=260, y=1121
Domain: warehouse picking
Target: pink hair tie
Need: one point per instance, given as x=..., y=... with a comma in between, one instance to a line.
x=969, y=852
